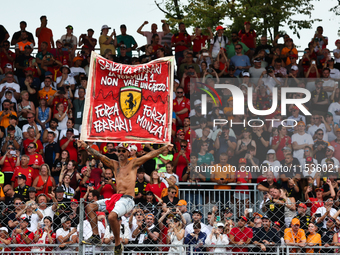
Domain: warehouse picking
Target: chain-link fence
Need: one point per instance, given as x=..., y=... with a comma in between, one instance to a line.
x=273, y=225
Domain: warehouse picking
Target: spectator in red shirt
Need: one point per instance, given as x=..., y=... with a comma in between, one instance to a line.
x=181, y=159
x=22, y=235
x=61, y=97
x=25, y=170
x=107, y=187
x=5, y=239
x=44, y=34
x=199, y=40
x=181, y=41
x=181, y=106
x=68, y=144
x=41, y=238
x=36, y=160
x=6, y=56
x=8, y=163
x=314, y=202
x=156, y=185
x=280, y=141
x=33, y=138
x=248, y=37
x=241, y=235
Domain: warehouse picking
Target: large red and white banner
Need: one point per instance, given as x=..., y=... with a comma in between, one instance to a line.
x=125, y=103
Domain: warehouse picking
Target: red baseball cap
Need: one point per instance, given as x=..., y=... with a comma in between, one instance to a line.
x=337, y=41
x=302, y=205
x=318, y=189
x=180, y=131
x=295, y=108
x=246, y=22
x=73, y=200
x=219, y=27
x=242, y=160
x=244, y=218
x=309, y=160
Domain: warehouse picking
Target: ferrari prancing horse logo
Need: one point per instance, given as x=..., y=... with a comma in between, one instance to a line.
x=130, y=100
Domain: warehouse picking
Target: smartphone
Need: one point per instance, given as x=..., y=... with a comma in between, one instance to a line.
x=205, y=54
x=12, y=152
x=318, y=215
x=313, y=62
x=218, y=218
x=250, y=210
x=76, y=136
x=49, y=189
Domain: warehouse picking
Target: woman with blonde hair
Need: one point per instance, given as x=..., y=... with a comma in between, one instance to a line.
x=218, y=237
x=44, y=180
x=290, y=207
x=175, y=236
x=24, y=107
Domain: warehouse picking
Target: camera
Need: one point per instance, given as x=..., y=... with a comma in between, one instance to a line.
x=64, y=163
x=91, y=184
x=190, y=73
x=209, y=70
x=143, y=225
x=12, y=152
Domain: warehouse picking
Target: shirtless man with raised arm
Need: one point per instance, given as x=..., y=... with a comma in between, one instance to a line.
x=123, y=202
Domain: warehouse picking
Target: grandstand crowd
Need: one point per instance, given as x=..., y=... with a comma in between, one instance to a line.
x=294, y=164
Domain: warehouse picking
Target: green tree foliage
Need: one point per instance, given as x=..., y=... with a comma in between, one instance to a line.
x=267, y=16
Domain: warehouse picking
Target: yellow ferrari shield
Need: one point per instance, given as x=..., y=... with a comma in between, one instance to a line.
x=130, y=100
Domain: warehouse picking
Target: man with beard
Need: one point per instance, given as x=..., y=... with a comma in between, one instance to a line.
x=241, y=235
x=123, y=202
x=66, y=235
x=266, y=237
x=196, y=218
x=231, y=47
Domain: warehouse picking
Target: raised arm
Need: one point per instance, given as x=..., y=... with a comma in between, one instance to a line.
x=151, y=155
x=105, y=160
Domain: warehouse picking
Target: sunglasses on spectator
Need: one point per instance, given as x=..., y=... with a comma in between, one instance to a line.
x=315, y=118
x=30, y=117
x=10, y=148
x=320, y=133
x=121, y=151
x=238, y=48
x=183, y=146
x=180, y=92
x=173, y=192
x=18, y=203
x=5, y=192
x=139, y=214
x=30, y=147
x=182, y=135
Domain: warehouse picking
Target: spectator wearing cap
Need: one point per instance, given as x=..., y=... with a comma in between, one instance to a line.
x=330, y=155
x=65, y=80
x=31, y=194
x=256, y=70
x=319, y=99
x=183, y=211
x=196, y=237
x=302, y=215
x=66, y=235
x=196, y=218
x=320, y=145
x=23, y=169
x=242, y=177
x=127, y=40
x=88, y=40
x=11, y=139
x=300, y=140
x=334, y=72
x=288, y=50
x=266, y=237
x=23, y=60
x=7, y=58
x=77, y=68
x=241, y=235
x=316, y=202
x=329, y=236
x=5, y=239
x=219, y=41
x=217, y=237
x=123, y=58
x=107, y=41
x=23, y=236
x=295, y=236
x=69, y=38
x=22, y=188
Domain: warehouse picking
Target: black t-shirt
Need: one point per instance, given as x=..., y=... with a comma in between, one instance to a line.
x=167, y=201
x=50, y=152
x=17, y=35
x=145, y=58
x=64, y=209
x=23, y=61
x=276, y=212
x=261, y=150
x=58, y=165
x=140, y=188
x=22, y=191
x=124, y=60
x=320, y=154
x=266, y=184
x=327, y=238
x=304, y=221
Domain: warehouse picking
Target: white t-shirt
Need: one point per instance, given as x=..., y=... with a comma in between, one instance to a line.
x=108, y=234
x=34, y=220
x=220, y=42
x=76, y=71
x=56, y=134
x=336, y=60
x=312, y=129
x=69, y=39
x=333, y=107
x=334, y=74
x=336, y=163
x=149, y=35
x=88, y=233
x=301, y=139
x=10, y=85
x=275, y=167
x=63, y=133
x=70, y=80
x=61, y=232
x=329, y=83
x=25, y=127
x=322, y=211
x=190, y=228
x=47, y=212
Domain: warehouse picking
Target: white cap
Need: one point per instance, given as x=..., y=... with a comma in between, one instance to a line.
x=294, y=67
x=121, y=145
x=220, y=224
x=4, y=229
x=197, y=102
x=331, y=148
x=133, y=147
x=271, y=151
x=177, y=81
x=8, y=65
x=105, y=26
x=246, y=74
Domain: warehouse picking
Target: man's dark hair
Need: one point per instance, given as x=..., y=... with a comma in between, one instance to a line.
x=197, y=225
x=237, y=44
x=181, y=23
x=23, y=22
x=9, y=72
x=49, y=78
x=45, y=43
x=193, y=154
x=278, y=60
x=95, y=193
x=7, y=101
x=44, y=16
